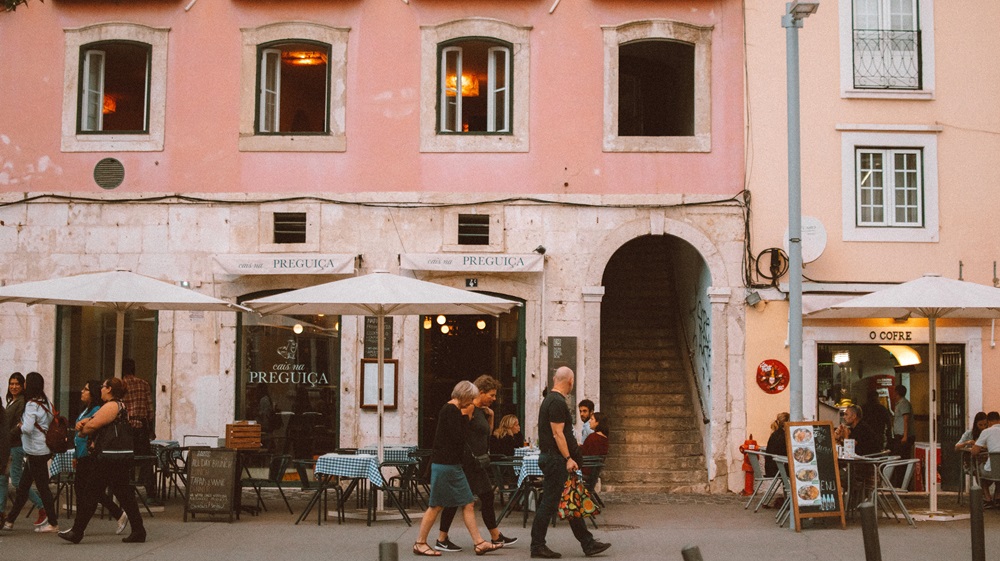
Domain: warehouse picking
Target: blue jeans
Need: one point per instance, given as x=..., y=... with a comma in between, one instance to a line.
x=16, y=469
x=553, y=466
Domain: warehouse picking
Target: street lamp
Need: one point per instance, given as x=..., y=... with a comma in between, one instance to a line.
x=795, y=12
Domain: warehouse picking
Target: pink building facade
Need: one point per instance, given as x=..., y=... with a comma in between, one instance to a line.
x=549, y=152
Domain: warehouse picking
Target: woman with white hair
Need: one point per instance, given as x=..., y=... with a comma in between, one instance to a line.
x=449, y=487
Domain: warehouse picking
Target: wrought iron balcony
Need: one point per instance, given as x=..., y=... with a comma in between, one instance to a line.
x=887, y=59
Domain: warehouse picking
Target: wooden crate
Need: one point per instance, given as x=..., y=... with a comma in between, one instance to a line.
x=243, y=436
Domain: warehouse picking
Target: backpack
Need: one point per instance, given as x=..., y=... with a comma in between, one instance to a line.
x=57, y=437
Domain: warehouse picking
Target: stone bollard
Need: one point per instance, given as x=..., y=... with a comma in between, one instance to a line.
x=869, y=527
x=691, y=553
x=976, y=522
x=388, y=551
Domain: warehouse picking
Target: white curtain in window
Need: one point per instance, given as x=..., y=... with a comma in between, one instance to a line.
x=270, y=90
x=92, y=104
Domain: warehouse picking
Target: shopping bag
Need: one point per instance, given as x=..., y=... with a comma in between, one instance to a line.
x=575, y=501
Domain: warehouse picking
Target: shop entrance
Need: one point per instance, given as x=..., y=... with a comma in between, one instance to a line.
x=463, y=347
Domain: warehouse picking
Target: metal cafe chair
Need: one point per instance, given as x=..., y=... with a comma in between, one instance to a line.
x=884, y=489
x=277, y=466
x=769, y=484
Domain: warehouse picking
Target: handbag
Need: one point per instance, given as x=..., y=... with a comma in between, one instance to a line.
x=114, y=440
x=575, y=501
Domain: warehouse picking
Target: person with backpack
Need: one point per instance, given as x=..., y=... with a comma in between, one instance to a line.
x=34, y=422
x=12, y=416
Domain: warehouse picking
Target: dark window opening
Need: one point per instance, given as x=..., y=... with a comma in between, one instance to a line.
x=656, y=89
x=292, y=88
x=289, y=227
x=114, y=87
x=474, y=86
x=474, y=229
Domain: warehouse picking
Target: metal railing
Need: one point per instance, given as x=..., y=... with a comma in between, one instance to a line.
x=887, y=59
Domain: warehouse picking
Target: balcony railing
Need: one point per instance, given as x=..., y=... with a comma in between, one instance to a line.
x=887, y=59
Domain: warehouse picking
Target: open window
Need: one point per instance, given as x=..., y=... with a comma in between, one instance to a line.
x=114, y=88
x=292, y=92
x=474, y=87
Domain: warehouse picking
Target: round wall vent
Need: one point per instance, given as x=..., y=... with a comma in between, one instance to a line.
x=109, y=173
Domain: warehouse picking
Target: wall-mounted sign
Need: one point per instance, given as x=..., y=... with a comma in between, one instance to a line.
x=287, y=264
x=772, y=376
x=473, y=262
x=371, y=337
x=369, y=383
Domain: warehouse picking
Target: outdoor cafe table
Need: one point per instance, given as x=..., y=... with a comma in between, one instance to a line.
x=526, y=451
x=61, y=469
x=528, y=468
x=355, y=467
x=390, y=453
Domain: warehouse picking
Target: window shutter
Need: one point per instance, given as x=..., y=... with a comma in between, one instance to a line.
x=498, y=87
x=451, y=95
x=92, y=102
x=270, y=90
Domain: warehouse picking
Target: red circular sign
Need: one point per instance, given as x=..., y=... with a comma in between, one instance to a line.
x=772, y=376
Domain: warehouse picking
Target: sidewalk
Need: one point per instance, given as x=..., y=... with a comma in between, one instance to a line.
x=646, y=527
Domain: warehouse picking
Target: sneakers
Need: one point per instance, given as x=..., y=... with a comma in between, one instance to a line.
x=43, y=518
x=446, y=545
x=8, y=526
x=122, y=523
x=46, y=529
x=504, y=540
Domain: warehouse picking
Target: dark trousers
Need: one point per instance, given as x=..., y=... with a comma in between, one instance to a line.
x=85, y=472
x=903, y=449
x=553, y=467
x=113, y=474
x=38, y=473
x=140, y=442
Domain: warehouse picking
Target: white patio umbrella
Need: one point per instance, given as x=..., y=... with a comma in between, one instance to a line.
x=121, y=291
x=930, y=297
x=380, y=294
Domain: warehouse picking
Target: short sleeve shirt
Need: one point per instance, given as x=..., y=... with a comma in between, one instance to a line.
x=990, y=439
x=902, y=407
x=554, y=410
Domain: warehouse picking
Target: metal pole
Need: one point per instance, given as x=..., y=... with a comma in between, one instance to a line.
x=792, y=25
x=869, y=528
x=691, y=553
x=976, y=522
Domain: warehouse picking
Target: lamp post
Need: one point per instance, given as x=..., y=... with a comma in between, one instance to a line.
x=795, y=12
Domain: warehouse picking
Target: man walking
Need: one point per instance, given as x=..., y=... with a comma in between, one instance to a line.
x=586, y=410
x=559, y=455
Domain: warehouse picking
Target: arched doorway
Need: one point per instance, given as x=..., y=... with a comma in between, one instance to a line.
x=655, y=365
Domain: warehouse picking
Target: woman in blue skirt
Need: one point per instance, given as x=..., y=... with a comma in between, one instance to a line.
x=449, y=486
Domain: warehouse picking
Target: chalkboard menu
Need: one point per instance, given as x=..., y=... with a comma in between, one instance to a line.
x=211, y=481
x=371, y=337
x=813, y=471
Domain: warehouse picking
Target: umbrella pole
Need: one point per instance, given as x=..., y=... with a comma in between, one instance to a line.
x=119, y=342
x=932, y=433
x=381, y=387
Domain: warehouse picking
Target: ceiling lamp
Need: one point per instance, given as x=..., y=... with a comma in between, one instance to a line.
x=481, y=324
x=470, y=85
x=441, y=320
x=427, y=322
x=303, y=58
x=110, y=105
x=445, y=329
x=841, y=357
x=904, y=355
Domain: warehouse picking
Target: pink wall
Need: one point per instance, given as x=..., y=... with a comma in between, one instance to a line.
x=203, y=88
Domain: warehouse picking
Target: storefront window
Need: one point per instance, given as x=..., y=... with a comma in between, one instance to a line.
x=289, y=372
x=85, y=350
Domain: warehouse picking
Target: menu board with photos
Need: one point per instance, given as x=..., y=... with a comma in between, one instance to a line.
x=813, y=471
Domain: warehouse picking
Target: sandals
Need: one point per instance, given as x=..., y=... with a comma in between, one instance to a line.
x=484, y=547
x=421, y=548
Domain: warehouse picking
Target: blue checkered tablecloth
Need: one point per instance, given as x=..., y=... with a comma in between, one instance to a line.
x=390, y=453
x=529, y=466
x=165, y=443
x=62, y=463
x=526, y=451
x=350, y=465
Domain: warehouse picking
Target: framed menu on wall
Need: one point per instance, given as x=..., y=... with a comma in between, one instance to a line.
x=813, y=471
x=369, y=383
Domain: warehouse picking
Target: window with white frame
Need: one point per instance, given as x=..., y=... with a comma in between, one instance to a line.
x=890, y=184
x=889, y=187
x=114, y=95
x=887, y=48
x=114, y=87
x=474, y=86
x=657, y=87
x=293, y=97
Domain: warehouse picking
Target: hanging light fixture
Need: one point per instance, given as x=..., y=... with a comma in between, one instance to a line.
x=297, y=328
x=481, y=324
x=470, y=85
x=445, y=329
x=303, y=58
x=441, y=320
x=427, y=322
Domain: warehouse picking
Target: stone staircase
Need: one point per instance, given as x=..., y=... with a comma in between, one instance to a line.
x=655, y=442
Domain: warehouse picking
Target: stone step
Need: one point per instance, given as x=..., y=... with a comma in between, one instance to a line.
x=670, y=376
x=660, y=423
x=614, y=402
x=645, y=488
x=640, y=362
x=652, y=411
x=621, y=437
x=664, y=387
x=654, y=476
x=654, y=462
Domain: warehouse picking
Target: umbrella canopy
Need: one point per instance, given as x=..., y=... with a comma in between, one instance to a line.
x=930, y=297
x=121, y=291
x=380, y=294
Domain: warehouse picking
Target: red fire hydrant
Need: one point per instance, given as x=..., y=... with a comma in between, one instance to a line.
x=748, y=444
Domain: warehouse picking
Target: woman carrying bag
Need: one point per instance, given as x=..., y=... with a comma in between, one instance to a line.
x=111, y=437
x=86, y=463
x=32, y=426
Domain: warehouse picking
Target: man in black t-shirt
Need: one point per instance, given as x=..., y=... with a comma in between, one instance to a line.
x=560, y=454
